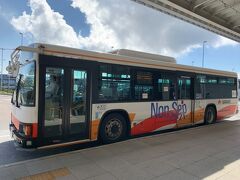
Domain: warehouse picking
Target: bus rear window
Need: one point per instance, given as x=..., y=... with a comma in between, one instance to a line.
x=26, y=85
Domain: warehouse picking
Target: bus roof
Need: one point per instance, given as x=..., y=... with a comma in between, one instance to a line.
x=143, y=55
x=162, y=62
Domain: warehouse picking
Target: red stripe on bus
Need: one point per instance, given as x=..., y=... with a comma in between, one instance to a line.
x=153, y=123
x=34, y=130
x=226, y=112
x=16, y=123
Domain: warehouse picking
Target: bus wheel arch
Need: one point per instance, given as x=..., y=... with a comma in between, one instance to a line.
x=210, y=114
x=120, y=114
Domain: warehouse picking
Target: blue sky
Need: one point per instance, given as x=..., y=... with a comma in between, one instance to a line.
x=103, y=25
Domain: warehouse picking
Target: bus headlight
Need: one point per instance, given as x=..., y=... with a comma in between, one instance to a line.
x=27, y=129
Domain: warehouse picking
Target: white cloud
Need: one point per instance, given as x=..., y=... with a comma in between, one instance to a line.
x=45, y=25
x=102, y=36
x=118, y=24
x=224, y=42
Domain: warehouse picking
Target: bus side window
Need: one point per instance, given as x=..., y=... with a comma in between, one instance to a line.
x=114, y=83
x=184, y=88
x=200, y=87
x=143, y=86
x=166, y=88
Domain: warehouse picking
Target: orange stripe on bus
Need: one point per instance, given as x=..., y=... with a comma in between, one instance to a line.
x=94, y=129
x=199, y=115
x=131, y=116
x=187, y=119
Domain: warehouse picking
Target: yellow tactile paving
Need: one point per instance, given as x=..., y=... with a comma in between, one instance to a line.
x=49, y=175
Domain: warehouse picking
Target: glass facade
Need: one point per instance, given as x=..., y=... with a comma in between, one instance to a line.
x=8, y=82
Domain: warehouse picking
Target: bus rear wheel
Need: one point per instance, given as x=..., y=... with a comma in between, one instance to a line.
x=210, y=115
x=113, y=128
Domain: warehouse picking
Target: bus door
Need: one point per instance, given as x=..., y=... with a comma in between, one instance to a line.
x=185, y=100
x=65, y=104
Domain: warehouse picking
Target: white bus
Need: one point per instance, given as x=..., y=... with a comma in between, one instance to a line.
x=66, y=95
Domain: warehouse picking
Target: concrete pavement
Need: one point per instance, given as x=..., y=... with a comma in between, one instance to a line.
x=206, y=152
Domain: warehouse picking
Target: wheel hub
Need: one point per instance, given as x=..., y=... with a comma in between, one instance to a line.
x=113, y=129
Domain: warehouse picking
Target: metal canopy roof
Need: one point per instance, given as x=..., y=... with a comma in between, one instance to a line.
x=219, y=16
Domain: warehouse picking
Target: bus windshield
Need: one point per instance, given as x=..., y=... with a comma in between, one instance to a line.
x=25, y=92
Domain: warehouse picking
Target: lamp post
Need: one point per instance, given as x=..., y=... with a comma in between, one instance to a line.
x=21, y=38
x=9, y=82
x=203, y=53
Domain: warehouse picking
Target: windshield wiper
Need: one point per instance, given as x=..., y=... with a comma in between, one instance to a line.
x=17, y=90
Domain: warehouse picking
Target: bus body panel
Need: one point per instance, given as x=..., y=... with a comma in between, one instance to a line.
x=25, y=114
x=199, y=110
x=147, y=117
x=226, y=107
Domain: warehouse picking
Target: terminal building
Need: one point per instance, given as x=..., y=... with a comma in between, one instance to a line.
x=7, y=81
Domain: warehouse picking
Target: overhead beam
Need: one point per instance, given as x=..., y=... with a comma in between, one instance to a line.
x=173, y=9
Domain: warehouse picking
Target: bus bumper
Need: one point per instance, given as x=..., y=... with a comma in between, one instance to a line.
x=19, y=139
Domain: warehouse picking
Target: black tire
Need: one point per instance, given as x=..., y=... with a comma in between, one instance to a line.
x=210, y=115
x=113, y=128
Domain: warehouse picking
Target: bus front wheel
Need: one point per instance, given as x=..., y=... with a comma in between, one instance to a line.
x=113, y=128
x=210, y=115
